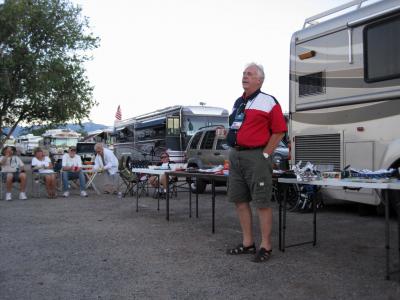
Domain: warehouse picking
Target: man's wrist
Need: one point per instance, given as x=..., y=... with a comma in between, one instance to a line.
x=266, y=155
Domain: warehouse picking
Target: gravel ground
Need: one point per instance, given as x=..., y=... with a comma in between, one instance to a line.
x=100, y=248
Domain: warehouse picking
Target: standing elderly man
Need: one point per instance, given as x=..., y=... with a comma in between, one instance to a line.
x=107, y=161
x=256, y=127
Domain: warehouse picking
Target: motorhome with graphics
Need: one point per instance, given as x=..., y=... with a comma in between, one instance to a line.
x=57, y=141
x=345, y=90
x=144, y=137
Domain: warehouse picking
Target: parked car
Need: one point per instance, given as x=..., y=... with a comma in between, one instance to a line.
x=86, y=151
x=208, y=147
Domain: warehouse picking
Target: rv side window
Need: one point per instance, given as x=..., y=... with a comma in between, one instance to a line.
x=208, y=140
x=173, y=126
x=195, y=140
x=382, y=50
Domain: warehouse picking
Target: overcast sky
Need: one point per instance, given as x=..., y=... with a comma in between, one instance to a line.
x=159, y=53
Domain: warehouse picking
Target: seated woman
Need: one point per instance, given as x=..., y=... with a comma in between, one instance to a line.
x=12, y=168
x=42, y=164
x=153, y=180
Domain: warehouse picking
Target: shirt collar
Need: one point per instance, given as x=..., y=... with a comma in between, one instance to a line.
x=252, y=96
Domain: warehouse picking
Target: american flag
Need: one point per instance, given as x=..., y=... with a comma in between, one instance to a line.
x=118, y=114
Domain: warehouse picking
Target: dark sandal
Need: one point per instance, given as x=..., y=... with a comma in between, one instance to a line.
x=240, y=249
x=262, y=255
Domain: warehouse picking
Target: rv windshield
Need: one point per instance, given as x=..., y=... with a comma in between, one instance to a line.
x=65, y=142
x=193, y=123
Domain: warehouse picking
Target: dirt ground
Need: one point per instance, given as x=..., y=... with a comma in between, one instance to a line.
x=101, y=248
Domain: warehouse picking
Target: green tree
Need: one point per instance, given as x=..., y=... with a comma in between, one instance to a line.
x=43, y=47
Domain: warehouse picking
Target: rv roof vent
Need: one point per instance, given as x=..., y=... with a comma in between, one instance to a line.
x=312, y=84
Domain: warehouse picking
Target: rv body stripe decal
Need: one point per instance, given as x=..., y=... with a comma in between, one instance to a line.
x=350, y=115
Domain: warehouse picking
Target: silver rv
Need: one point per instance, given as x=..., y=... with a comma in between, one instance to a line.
x=345, y=90
x=169, y=129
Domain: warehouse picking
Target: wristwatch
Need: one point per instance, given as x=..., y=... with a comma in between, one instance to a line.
x=266, y=155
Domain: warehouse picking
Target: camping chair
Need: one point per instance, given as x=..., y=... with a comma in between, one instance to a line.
x=132, y=181
x=129, y=179
x=37, y=183
x=3, y=189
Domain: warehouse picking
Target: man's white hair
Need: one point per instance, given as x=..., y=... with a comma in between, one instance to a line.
x=259, y=68
x=98, y=146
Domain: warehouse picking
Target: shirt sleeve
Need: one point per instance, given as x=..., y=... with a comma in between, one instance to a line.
x=108, y=160
x=20, y=162
x=97, y=162
x=278, y=123
x=78, y=161
x=64, y=160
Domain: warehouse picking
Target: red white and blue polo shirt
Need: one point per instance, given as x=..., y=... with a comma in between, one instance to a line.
x=262, y=118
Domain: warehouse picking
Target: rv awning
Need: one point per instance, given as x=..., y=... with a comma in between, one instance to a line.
x=151, y=123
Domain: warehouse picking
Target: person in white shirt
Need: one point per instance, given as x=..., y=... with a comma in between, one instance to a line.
x=42, y=165
x=72, y=169
x=163, y=164
x=12, y=169
x=106, y=161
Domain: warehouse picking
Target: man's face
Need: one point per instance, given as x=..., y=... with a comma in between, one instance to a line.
x=250, y=80
x=99, y=151
x=72, y=152
x=8, y=151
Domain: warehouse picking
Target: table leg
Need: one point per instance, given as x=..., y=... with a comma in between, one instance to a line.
x=386, y=202
x=158, y=194
x=197, y=204
x=137, y=197
x=190, y=196
x=92, y=184
x=314, y=200
x=166, y=200
x=213, y=204
x=398, y=241
x=285, y=192
x=280, y=220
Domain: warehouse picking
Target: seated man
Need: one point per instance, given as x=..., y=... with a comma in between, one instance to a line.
x=42, y=164
x=12, y=168
x=165, y=162
x=72, y=169
x=106, y=161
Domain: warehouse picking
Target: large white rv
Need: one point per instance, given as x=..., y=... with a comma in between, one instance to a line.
x=144, y=137
x=345, y=90
x=26, y=143
x=57, y=141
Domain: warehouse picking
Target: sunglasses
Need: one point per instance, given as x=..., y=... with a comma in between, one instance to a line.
x=162, y=157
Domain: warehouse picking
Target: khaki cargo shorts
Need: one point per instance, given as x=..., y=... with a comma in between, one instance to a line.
x=250, y=177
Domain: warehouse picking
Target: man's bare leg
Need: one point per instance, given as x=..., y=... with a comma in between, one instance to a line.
x=22, y=178
x=265, y=217
x=246, y=222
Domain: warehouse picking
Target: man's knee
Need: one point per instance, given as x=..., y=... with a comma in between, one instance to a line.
x=242, y=206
